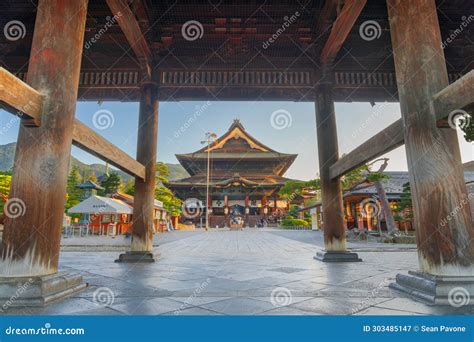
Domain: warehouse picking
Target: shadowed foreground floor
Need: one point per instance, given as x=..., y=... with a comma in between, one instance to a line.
x=249, y=272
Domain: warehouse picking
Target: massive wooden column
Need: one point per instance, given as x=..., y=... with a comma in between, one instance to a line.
x=142, y=226
x=32, y=233
x=331, y=191
x=34, y=211
x=442, y=215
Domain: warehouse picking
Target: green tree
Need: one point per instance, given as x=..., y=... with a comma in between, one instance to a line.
x=163, y=194
x=111, y=183
x=404, y=206
x=468, y=128
x=354, y=177
x=73, y=193
x=129, y=188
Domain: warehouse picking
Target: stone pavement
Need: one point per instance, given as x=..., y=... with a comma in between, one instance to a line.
x=249, y=272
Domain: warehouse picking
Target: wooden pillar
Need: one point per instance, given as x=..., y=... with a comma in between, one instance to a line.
x=142, y=227
x=31, y=237
x=443, y=222
x=331, y=190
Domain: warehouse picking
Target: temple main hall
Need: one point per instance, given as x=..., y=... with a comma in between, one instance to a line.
x=244, y=181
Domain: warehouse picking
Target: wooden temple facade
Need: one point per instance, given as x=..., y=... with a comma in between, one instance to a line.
x=244, y=179
x=62, y=51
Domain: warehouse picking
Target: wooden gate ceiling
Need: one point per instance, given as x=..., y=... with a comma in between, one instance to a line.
x=229, y=61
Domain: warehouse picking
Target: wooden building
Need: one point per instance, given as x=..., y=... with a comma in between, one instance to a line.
x=245, y=177
x=318, y=51
x=363, y=210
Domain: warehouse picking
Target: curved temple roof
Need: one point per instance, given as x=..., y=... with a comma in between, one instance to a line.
x=239, y=146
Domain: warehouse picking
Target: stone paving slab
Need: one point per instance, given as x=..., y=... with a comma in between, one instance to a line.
x=249, y=272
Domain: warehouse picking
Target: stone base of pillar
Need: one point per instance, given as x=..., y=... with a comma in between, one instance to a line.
x=39, y=290
x=456, y=291
x=331, y=256
x=136, y=257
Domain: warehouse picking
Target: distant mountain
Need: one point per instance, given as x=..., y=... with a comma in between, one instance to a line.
x=7, y=154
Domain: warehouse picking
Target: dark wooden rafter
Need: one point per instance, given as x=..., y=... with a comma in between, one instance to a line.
x=142, y=11
x=341, y=28
x=326, y=18
x=21, y=99
x=458, y=95
x=130, y=27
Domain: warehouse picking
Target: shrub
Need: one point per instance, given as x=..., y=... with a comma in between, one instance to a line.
x=293, y=222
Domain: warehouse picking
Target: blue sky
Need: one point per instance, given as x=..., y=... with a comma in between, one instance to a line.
x=356, y=123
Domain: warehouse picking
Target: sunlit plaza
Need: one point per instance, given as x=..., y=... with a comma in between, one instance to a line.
x=248, y=272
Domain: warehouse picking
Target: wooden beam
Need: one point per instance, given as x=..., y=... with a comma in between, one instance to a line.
x=130, y=28
x=381, y=143
x=458, y=95
x=341, y=28
x=88, y=140
x=20, y=99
